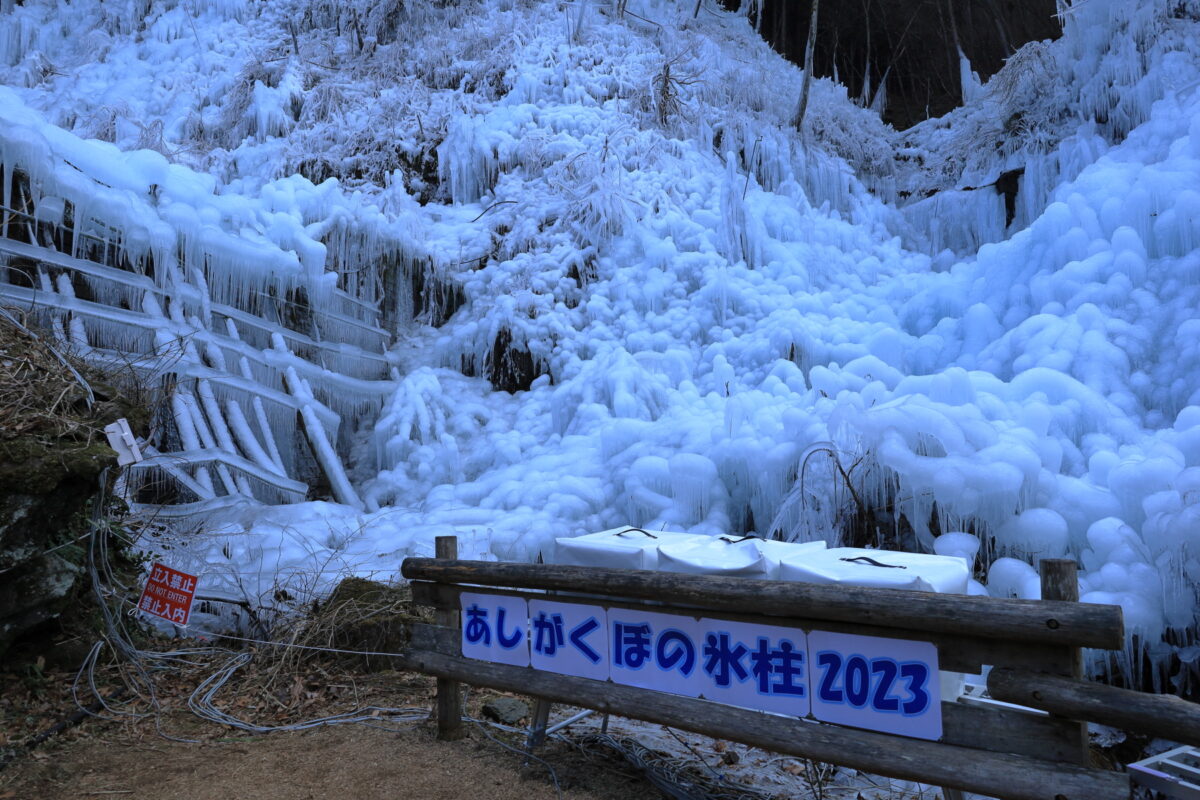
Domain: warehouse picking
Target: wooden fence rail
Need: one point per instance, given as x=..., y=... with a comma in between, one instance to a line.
x=996, y=774
x=1033, y=648
x=1050, y=622
x=1154, y=714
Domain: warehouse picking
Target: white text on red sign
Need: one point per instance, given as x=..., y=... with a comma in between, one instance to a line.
x=168, y=594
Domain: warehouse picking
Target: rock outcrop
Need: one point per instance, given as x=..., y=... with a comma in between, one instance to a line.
x=52, y=452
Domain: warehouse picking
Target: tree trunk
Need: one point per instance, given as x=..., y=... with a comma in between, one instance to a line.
x=808, y=66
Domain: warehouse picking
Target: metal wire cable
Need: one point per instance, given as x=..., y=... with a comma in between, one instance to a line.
x=138, y=665
x=201, y=704
x=135, y=664
x=677, y=777
x=519, y=751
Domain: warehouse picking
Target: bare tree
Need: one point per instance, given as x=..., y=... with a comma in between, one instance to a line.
x=808, y=66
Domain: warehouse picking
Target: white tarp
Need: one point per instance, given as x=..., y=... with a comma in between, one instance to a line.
x=620, y=548
x=741, y=556
x=853, y=566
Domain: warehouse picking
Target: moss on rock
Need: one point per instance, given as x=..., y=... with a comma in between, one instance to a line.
x=52, y=453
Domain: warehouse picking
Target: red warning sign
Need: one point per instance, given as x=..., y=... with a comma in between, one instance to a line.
x=168, y=594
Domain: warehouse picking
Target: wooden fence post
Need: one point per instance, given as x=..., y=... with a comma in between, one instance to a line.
x=1061, y=582
x=449, y=692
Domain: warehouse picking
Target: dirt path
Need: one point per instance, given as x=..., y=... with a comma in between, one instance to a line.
x=348, y=761
x=130, y=761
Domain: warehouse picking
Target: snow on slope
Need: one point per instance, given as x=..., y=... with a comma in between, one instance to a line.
x=712, y=324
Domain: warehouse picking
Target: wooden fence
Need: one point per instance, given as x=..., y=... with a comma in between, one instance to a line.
x=1033, y=648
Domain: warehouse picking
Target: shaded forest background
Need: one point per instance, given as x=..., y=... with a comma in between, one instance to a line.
x=914, y=43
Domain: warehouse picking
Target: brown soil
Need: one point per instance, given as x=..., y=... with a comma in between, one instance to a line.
x=344, y=761
x=131, y=761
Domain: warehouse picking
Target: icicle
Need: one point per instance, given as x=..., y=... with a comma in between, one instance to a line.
x=186, y=426
x=326, y=456
x=245, y=436
x=207, y=440
x=216, y=419
x=260, y=416
x=972, y=86
x=157, y=460
x=78, y=337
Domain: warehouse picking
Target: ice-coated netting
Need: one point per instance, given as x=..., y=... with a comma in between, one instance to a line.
x=238, y=301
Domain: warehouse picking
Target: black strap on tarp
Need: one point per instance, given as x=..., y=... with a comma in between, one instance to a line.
x=872, y=562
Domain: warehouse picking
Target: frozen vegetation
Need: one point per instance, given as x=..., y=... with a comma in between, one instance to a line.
x=625, y=290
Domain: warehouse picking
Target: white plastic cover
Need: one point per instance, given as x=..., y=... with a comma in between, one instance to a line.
x=775, y=552
x=852, y=566
x=621, y=548
x=740, y=556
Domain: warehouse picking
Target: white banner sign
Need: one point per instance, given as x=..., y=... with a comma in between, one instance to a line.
x=655, y=651
x=756, y=666
x=888, y=685
x=495, y=628
x=569, y=639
